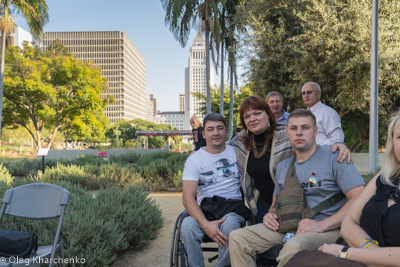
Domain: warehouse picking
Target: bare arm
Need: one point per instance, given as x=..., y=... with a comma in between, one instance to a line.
x=355, y=235
x=190, y=203
x=332, y=222
x=351, y=230
x=372, y=256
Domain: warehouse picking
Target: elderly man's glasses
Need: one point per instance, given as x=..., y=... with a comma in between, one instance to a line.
x=308, y=92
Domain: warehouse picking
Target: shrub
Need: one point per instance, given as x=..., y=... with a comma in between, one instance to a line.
x=138, y=216
x=115, y=174
x=127, y=158
x=73, y=174
x=158, y=183
x=5, y=176
x=371, y=175
x=84, y=160
x=96, y=229
x=23, y=167
x=177, y=179
x=89, y=234
x=146, y=159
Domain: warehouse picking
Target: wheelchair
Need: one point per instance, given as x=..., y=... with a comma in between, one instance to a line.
x=178, y=256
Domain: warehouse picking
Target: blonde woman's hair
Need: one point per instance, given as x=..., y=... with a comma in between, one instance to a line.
x=391, y=165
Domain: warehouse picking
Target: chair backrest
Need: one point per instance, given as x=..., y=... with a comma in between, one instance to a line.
x=37, y=201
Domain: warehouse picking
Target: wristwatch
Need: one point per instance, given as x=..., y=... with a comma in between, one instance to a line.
x=343, y=253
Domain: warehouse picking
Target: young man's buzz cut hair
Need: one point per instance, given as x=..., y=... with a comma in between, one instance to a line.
x=213, y=117
x=303, y=113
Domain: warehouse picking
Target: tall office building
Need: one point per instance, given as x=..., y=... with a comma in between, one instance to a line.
x=195, y=79
x=151, y=107
x=181, y=102
x=121, y=63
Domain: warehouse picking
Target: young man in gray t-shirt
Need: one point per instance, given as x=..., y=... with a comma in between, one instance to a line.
x=322, y=177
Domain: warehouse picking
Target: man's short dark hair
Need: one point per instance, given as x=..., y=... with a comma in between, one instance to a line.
x=301, y=112
x=213, y=117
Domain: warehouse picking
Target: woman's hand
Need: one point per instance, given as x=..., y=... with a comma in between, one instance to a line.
x=332, y=249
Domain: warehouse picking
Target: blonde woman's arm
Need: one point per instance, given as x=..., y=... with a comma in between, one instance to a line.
x=351, y=230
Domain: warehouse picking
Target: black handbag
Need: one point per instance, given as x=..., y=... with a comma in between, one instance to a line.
x=18, y=244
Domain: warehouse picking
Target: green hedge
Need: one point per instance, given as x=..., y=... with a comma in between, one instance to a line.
x=97, y=228
x=154, y=171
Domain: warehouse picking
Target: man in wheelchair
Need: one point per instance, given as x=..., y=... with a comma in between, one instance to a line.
x=211, y=194
x=312, y=193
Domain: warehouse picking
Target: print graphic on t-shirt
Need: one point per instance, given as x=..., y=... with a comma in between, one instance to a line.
x=221, y=170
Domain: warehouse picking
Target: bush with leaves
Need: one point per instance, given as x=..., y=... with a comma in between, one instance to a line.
x=71, y=173
x=5, y=175
x=84, y=160
x=153, y=171
x=371, y=175
x=127, y=158
x=97, y=228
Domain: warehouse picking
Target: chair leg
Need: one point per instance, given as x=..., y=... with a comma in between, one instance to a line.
x=62, y=252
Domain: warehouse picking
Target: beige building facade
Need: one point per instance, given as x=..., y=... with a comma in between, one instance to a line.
x=151, y=107
x=173, y=118
x=195, y=79
x=181, y=102
x=121, y=63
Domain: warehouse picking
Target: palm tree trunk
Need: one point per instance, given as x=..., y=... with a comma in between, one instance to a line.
x=221, y=109
x=231, y=106
x=3, y=56
x=208, y=67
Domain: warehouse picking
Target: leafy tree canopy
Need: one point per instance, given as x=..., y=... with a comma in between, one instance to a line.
x=215, y=102
x=328, y=42
x=127, y=133
x=50, y=88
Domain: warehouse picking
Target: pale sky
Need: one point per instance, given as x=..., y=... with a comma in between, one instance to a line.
x=143, y=22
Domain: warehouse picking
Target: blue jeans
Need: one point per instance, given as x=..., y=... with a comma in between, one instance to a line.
x=192, y=236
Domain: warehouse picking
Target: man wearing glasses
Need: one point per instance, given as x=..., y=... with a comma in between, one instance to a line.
x=211, y=194
x=328, y=120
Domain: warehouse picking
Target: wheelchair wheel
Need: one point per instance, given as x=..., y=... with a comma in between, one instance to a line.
x=178, y=257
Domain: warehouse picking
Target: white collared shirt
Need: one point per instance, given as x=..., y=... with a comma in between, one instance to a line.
x=329, y=126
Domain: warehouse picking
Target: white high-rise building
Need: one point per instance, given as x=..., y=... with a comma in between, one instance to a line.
x=195, y=79
x=18, y=37
x=181, y=102
x=173, y=118
x=121, y=63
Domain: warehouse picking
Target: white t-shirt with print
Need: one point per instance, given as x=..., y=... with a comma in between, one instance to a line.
x=216, y=174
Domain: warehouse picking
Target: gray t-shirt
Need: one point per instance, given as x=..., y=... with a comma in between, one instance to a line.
x=322, y=177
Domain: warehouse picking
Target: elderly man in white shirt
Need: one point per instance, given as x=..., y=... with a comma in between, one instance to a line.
x=328, y=120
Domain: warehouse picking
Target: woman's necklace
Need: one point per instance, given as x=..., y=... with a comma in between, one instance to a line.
x=395, y=195
x=254, y=149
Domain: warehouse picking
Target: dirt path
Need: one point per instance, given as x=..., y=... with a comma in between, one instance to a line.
x=157, y=251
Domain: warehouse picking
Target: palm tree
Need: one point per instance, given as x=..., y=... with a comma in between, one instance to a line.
x=182, y=16
x=207, y=24
x=230, y=44
x=227, y=11
x=35, y=13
